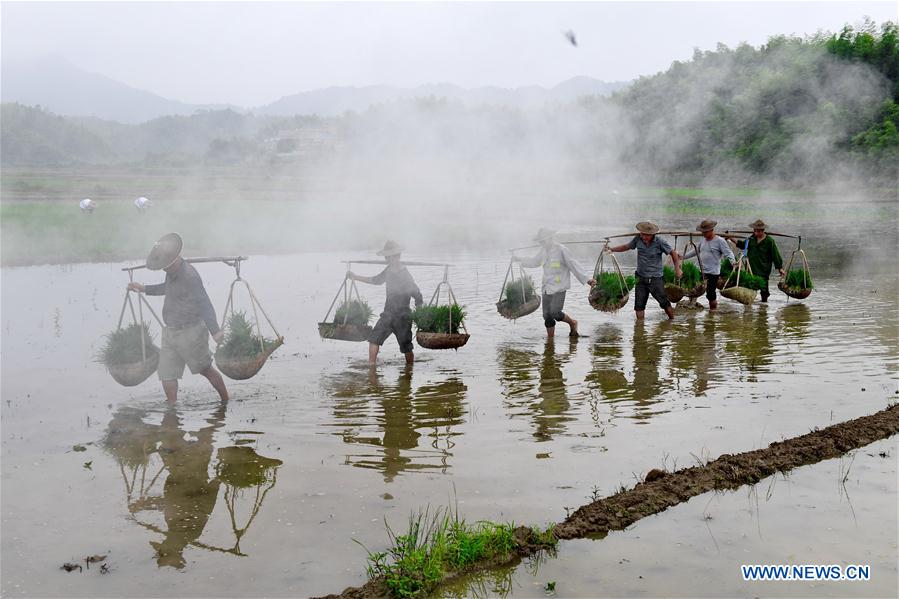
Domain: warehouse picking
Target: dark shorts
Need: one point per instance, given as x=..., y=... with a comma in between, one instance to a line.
x=711, y=286
x=393, y=324
x=647, y=286
x=552, y=309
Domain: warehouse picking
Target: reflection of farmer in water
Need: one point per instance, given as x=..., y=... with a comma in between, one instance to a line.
x=188, y=492
x=401, y=417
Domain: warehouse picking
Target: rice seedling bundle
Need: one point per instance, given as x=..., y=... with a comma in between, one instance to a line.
x=356, y=312
x=436, y=319
x=123, y=346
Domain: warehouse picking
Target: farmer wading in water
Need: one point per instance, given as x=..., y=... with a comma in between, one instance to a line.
x=763, y=254
x=711, y=250
x=397, y=316
x=558, y=264
x=650, y=248
x=188, y=315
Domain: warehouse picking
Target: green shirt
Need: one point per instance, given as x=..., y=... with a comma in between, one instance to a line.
x=762, y=255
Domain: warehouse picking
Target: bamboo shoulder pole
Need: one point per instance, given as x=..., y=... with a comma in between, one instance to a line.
x=229, y=260
x=403, y=262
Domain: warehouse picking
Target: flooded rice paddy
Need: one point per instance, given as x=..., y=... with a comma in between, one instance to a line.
x=266, y=496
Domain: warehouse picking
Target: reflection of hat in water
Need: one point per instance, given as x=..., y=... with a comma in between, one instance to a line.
x=165, y=252
x=647, y=227
x=544, y=234
x=242, y=467
x=759, y=224
x=391, y=248
x=707, y=225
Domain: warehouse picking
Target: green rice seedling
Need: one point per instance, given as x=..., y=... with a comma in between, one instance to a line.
x=609, y=288
x=241, y=340
x=356, y=312
x=123, y=346
x=513, y=295
x=691, y=275
x=436, y=319
x=798, y=278
x=747, y=280
x=434, y=545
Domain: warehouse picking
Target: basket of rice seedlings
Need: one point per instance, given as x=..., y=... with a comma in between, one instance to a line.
x=742, y=286
x=243, y=352
x=518, y=297
x=243, y=468
x=611, y=292
x=797, y=284
x=673, y=291
x=129, y=354
x=350, y=322
x=437, y=326
x=798, y=281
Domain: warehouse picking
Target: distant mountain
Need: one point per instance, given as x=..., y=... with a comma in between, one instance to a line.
x=65, y=89
x=337, y=100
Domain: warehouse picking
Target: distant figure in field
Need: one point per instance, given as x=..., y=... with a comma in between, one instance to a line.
x=87, y=206
x=142, y=204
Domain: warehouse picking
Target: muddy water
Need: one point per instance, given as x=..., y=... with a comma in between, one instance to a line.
x=266, y=495
x=840, y=511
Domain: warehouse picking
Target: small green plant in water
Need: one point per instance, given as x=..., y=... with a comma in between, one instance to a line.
x=513, y=294
x=241, y=340
x=123, y=346
x=436, y=544
x=356, y=312
x=798, y=279
x=436, y=319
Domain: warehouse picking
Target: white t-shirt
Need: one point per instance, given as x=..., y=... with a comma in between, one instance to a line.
x=141, y=202
x=86, y=204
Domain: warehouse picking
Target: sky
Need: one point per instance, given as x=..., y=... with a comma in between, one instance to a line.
x=251, y=54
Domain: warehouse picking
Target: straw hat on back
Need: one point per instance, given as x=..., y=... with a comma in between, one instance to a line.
x=165, y=252
x=647, y=227
x=707, y=225
x=391, y=248
x=759, y=224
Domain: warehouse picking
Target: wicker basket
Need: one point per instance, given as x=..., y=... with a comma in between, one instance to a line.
x=521, y=310
x=675, y=293
x=794, y=292
x=696, y=291
x=740, y=294
x=136, y=373
x=344, y=332
x=597, y=297
x=243, y=368
x=441, y=340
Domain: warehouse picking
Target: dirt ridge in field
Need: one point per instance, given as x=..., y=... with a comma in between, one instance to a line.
x=662, y=490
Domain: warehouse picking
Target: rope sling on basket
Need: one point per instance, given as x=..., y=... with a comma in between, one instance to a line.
x=237, y=357
x=797, y=283
x=517, y=297
x=612, y=289
x=130, y=355
x=436, y=326
x=734, y=291
x=691, y=283
x=351, y=317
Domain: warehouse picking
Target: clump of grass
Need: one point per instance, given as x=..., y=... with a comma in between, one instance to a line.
x=436, y=319
x=241, y=340
x=437, y=544
x=609, y=289
x=747, y=280
x=123, y=346
x=356, y=312
x=513, y=294
x=691, y=275
x=798, y=279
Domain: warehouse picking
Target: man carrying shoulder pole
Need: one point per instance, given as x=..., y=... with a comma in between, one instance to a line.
x=650, y=280
x=711, y=250
x=558, y=264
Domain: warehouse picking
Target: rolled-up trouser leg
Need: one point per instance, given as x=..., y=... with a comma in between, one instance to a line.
x=552, y=309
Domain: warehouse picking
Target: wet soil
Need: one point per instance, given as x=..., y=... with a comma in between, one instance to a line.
x=662, y=490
